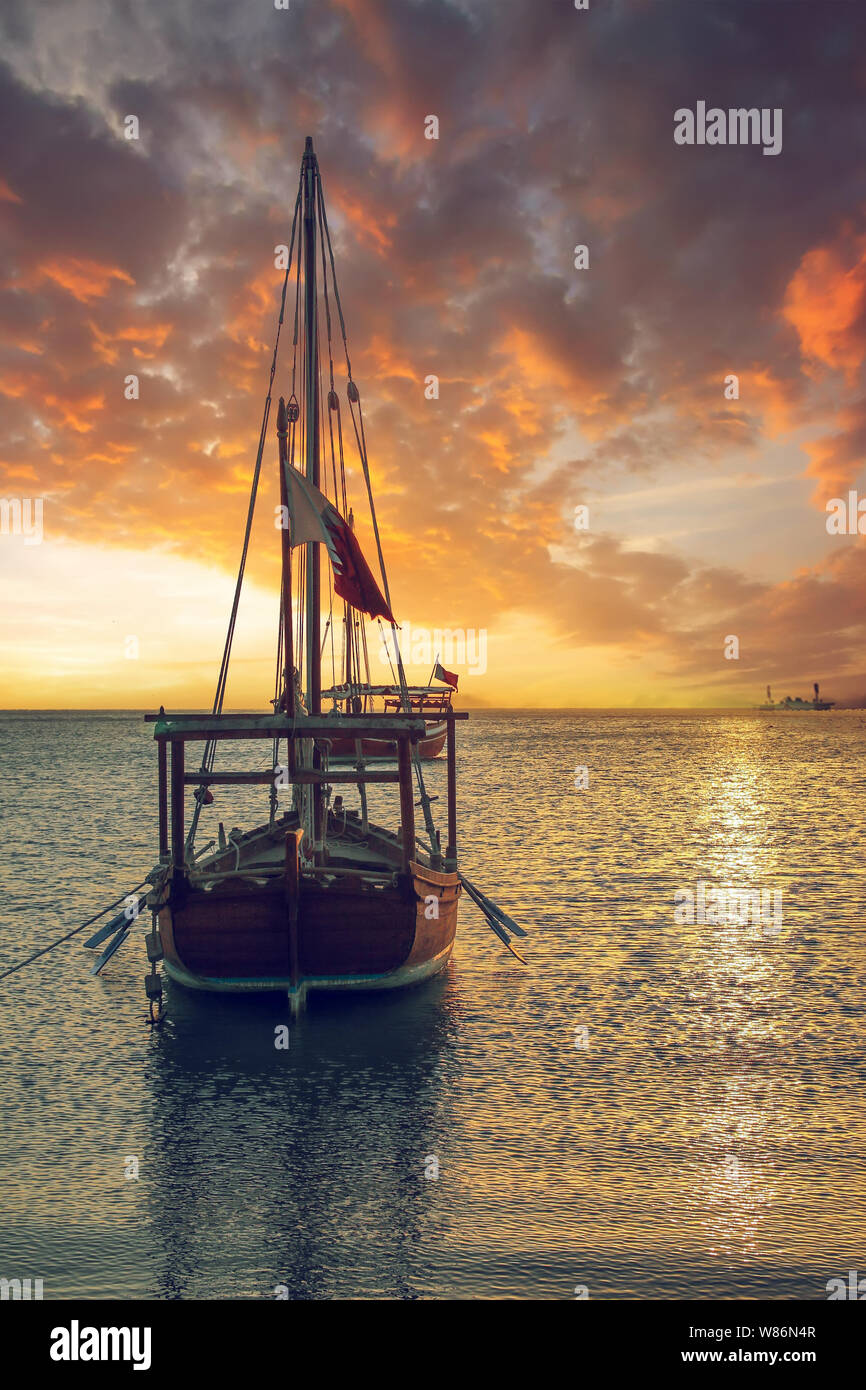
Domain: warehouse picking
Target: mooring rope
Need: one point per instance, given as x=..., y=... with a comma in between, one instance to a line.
x=69, y=934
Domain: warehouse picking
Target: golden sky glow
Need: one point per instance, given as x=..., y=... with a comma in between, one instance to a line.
x=558, y=387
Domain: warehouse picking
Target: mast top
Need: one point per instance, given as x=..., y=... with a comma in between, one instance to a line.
x=309, y=160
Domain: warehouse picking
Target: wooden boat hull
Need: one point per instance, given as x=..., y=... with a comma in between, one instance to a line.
x=428, y=747
x=336, y=937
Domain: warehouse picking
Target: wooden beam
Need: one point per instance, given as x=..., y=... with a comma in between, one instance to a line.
x=292, y=883
x=162, y=761
x=407, y=803
x=198, y=728
x=451, y=744
x=306, y=776
x=338, y=778
x=344, y=722
x=226, y=779
x=177, y=828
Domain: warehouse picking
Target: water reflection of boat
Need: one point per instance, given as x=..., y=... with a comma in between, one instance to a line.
x=791, y=702
x=299, y=1173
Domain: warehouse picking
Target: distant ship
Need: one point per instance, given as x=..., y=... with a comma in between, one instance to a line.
x=791, y=702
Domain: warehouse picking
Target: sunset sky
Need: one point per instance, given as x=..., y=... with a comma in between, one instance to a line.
x=559, y=387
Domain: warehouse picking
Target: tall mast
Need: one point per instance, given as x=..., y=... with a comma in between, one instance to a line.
x=310, y=173
x=288, y=653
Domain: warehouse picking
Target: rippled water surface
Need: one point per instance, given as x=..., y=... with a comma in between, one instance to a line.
x=704, y=1140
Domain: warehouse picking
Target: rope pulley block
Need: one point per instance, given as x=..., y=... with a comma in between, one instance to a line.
x=293, y=410
x=353, y=393
x=333, y=401
x=153, y=941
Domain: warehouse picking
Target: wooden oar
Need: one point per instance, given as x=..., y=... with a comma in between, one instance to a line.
x=110, y=949
x=484, y=905
x=507, y=944
x=108, y=930
x=489, y=906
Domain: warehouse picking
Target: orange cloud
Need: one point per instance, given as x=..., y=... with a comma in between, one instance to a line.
x=542, y=368
x=23, y=471
x=111, y=453
x=153, y=335
x=17, y=384
x=367, y=223
x=774, y=397
x=384, y=362
x=499, y=450
x=534, y=361
x=85, y=280
x=388, y=98
x=836, y=459
x=825, y=301
x=256, y=301
x=73, y=411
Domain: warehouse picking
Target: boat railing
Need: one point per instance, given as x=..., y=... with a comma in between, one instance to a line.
x=174, y=731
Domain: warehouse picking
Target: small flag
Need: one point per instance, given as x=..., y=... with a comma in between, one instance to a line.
x=315, y=519
x=440, y=674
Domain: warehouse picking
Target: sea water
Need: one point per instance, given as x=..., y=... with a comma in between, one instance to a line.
x=650, y=1108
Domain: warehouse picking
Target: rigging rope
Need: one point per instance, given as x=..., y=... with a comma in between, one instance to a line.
x=210, y=746
x=355, y=399
x=89, y=923
x=355, y=641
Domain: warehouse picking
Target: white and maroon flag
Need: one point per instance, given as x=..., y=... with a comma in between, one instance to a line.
x=315, y=519
x=440, y=674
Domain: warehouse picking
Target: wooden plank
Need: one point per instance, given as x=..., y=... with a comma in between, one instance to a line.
x=302, y=724
x=254, y=872
x=230, y=726
x=230, y=932
x=344, y=931
x=293, y=891
x=177, y=829
x=433, y=934
x=162, y=760
x=228, y=779
x=317, y=799
x=235, y=734
x=407, y=803
x=327, y=778
x=307, y=776
x=451, y=847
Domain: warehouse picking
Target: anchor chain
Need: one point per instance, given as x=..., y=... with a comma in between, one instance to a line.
x=153, y=980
